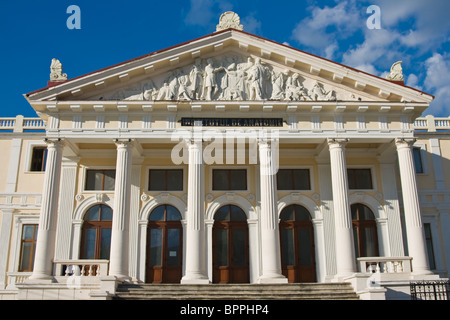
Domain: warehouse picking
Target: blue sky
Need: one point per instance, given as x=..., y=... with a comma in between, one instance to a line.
x=416, y=32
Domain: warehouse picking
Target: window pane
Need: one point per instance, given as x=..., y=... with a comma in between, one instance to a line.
x=287, y=238
x=28, y=232
x=284, y=179
x=238, y=180
x=239, y=248
x=157, y=180
x=304, y=243
x=223, y=214
x=106, y=213
x=25, y=258
x=429, y=242
x=93, y=214
x=418, y=160
x=221, y=247
x=368, y=242
x=94, y=179
x=173, y=214
x=110, y=179
x=38, y=158
x=157, y=214
x=288, y=214
x=89, y=244
x=175, y=180
x=237, y=214
x=301, y=179
x=302, y=214
x=173, y=247
x=220, y=180
x=155, y=247
x=356, y=241
x=105, y=245
x=359, y=178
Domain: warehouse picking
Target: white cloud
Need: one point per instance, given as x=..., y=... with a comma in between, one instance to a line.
x=437, y=82
x=251, y=24
x=312, y=31
x=206, y=13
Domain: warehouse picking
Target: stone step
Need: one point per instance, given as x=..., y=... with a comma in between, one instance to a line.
x=312, y=291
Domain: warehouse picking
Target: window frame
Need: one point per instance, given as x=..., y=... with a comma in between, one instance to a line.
x=229, y=168
x=423, y=157
x=166, y=180
x=97, y=226
x=175, y=167
x=29, y=156
x=84, y=178
x=372, y=176
x=34, y=243
x=20, y=220
x=311, y=178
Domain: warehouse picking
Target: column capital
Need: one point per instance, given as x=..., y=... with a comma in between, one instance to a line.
x=58, y=142
x=337, y=142
x=123, y=143
x=405, y=142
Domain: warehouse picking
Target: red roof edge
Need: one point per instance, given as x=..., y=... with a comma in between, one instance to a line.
x=52, y=84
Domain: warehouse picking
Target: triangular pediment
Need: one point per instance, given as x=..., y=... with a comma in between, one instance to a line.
x=230, y=65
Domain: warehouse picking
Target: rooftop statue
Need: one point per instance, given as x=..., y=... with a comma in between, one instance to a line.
x=229, y=20
x=396, y=73
x=56, y=71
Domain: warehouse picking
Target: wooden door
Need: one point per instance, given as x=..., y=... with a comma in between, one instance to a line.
x=164, y=246
x=297, y=245
x=230, y=246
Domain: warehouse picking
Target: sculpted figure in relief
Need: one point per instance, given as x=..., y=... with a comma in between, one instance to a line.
x=235, y=78
x=210, y=84
x=319, y=93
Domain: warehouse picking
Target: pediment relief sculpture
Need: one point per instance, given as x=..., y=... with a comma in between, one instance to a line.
x=229, y=78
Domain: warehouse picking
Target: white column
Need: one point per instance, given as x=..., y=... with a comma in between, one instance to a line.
x=414, y=229
x=270, y=235
x=118, y=261
x=195, y=229
x=345, y=252
x=45, y=244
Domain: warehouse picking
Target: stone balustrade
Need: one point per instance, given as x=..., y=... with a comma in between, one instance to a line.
x=385, y=264
x=82, y=268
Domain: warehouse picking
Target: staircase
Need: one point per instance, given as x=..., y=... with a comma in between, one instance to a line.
x=304, y=291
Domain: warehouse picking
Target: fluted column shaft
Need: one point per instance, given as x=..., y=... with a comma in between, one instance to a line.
x=118, y=264
x=45, y=245
x=413, y=221
x=195, y=231
x=345, y=253
x=270, y=236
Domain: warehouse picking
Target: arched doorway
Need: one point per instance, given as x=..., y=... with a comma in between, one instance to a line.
x=297, y=244
x=364, y=231
x=164, y=246
x=230, y=246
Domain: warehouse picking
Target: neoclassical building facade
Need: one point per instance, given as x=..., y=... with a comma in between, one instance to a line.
x=226, y=159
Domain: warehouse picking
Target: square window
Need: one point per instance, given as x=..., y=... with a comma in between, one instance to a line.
x=293, y=179
x=100, y=180
x=165, y=180
x=359, y=179
x=229, y=179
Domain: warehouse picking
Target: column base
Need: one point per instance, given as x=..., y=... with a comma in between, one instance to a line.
x=195, y=279
x=272, y=279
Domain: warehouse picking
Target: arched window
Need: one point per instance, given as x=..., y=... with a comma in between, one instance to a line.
x=364, y=231
x=297, y=244
x=96, y=233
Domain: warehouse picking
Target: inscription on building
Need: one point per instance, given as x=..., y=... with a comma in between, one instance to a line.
x=232, y=122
